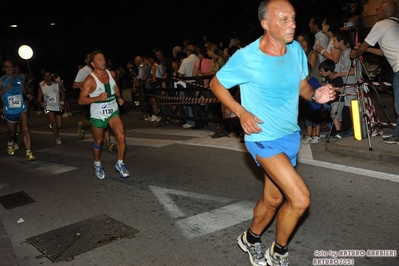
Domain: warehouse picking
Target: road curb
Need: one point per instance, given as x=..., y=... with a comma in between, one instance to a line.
x=362, y=153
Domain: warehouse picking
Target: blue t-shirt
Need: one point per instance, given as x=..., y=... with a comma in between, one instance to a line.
x=269, y=87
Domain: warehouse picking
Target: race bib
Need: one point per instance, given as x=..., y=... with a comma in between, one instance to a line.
x=15, y=101
x=108, y=108
x=51, y=99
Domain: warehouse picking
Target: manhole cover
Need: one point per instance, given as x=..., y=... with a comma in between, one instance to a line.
x=66, y=242
x=18, y=199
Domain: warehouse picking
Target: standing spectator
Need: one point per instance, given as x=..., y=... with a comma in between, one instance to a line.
x=345, y=70
x=306, y=43
x=269, y=116
x=145, y=99
x=100, y=89
x=113, y=65
x=218, y=59
x=186, y=70
x=386, y=33
x=162, y=59
x=321, y=38
x=234, y=41
x=153, y=84
x=133, y=71
x=15, y=109
x=186, y=43
x=311, y=113
x=138, y=81
x=329, y=26
x=224, y=49
x=51, y=96
x=202, y=66
x=176, y=50
x=311, y=54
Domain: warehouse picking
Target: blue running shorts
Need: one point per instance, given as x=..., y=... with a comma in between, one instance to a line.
x=289, y=145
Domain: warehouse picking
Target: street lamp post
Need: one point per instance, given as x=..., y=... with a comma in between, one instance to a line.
x=25, y=52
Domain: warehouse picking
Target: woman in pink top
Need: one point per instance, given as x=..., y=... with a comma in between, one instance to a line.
x=202, y=66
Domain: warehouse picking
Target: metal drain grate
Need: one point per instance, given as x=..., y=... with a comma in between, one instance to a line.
x=66, y=242
x=18, y=199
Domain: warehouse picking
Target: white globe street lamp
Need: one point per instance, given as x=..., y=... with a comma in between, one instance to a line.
x=25, y=52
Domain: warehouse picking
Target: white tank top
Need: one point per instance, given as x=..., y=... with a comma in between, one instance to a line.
x=51, y=96
x=103, y=110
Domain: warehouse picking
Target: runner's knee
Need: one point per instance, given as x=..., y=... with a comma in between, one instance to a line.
x=273, y=201
x=95, y=146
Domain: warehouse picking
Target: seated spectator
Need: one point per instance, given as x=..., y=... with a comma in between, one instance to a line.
x=327, y=68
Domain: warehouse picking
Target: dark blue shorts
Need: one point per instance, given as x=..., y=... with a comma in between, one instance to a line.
x=289, y=145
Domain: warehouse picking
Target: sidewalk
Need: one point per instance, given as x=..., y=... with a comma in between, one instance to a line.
x=375, y=150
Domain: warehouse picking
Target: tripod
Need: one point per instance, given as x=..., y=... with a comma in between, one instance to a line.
x=360, y=59
x=355, y=64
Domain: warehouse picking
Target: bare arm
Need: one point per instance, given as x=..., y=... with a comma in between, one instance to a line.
x=343, y=74
x=313, y=59
x=117, y=89
x=89, y=85
x=195, y=70
x=154, y=74
x=77, y=85
x=324, y=94
x=333, y=55
x=118, y=95
x=249, y=122
x=360, y=49
x=376, y=51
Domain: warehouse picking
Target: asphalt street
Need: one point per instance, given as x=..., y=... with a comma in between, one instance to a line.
x=189, y=196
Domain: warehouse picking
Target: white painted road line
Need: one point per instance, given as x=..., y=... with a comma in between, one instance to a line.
x=40, y=166
x=163, y=197
x=353, y=170
x=220, y=143
x=207, y=222
x=218, y=219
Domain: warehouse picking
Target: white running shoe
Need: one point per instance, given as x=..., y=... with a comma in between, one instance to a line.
x=121, y=168
x=99, y=171
x=254, y=251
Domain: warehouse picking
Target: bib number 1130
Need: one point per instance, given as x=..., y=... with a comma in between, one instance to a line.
x=108, y=111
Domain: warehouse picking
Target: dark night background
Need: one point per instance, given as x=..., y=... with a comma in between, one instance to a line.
x=125, y=29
